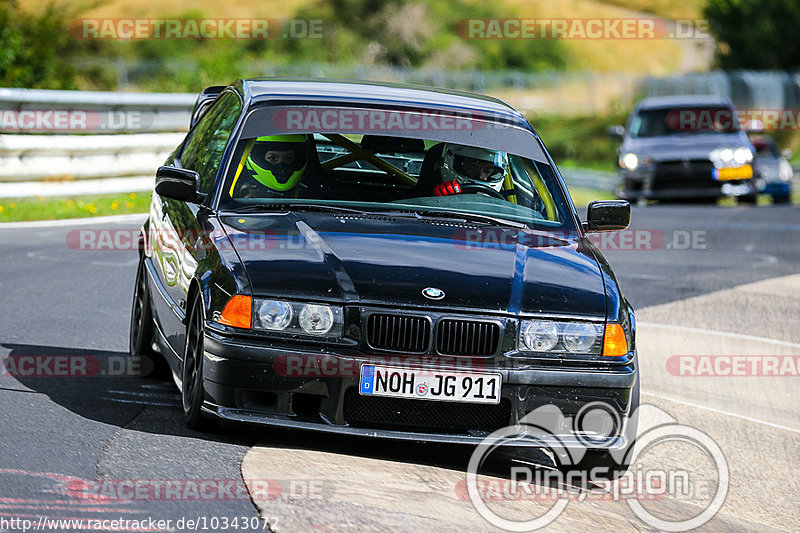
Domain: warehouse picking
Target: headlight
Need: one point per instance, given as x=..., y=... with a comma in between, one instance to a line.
x=560, y=337
x=316, y=319
x=579, y=337
x=298, y=317
x=629, y=161
x=274, y=315
x=539, y=336
x=742, y=155
x=726, y=157
x=785, y=171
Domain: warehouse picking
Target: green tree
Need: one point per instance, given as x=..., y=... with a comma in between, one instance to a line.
x=36, y=50
x=755, y=34
x=412, y=33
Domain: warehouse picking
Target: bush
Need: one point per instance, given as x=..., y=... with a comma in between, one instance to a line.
x=36, y=51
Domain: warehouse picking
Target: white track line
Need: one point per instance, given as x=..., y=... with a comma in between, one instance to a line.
x=73, y=221
x=719, y=411
x=721, y=333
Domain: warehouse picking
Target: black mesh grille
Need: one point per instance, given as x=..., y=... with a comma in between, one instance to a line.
x=691, y=174
x=423, y=415
x=465, y=337
x=398, y=333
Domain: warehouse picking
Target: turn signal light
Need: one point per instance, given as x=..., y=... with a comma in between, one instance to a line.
x=238, y=312
x=614, y=342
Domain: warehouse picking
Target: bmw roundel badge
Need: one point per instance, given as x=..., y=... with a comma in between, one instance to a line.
x=433, y=293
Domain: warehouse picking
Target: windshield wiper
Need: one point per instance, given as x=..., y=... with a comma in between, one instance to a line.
x=470, y=217
x=298, y=206
x=400, y=213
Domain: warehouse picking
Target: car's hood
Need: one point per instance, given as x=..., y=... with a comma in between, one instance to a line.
x=377, y=261
x=688, y=146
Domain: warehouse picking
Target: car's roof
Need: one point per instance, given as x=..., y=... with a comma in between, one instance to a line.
x=349, y=92
x=656, y=102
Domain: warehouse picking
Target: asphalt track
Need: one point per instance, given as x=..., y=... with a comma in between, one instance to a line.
x=711, y=281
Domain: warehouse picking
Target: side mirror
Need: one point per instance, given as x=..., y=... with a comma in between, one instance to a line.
x=787, y=153
x=177, y=183
x=608, y=215
x=753, y=126
x=616, y=132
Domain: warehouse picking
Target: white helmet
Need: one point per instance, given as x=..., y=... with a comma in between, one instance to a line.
x=468, y=164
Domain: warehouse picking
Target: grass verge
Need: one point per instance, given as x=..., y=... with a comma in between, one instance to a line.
x=42, y=208
x=581, y=197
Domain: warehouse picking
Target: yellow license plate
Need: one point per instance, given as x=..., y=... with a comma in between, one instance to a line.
x=734, y=173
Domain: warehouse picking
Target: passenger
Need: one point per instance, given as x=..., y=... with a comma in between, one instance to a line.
x=462, y=166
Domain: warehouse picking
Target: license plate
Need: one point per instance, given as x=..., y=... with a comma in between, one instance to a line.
x=733, y=173
x=419, y=384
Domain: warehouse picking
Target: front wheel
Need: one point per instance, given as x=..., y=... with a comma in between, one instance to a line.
x=140, y=345
x=781, y=199
x=193, y=392
x=750, y=199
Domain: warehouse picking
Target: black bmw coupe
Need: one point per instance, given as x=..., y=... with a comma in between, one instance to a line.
x=382, y=260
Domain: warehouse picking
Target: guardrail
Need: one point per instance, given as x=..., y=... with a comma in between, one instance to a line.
x=590, y=179
x=80, y=142
x=55, y=165
x=76, y=142
x=45, y=111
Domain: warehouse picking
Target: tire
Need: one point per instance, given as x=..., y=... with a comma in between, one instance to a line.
x=140, y=343
x=750, y=199
x=781, y=199
x=192, y=389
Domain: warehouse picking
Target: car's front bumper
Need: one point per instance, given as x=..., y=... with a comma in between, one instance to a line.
x=777, y=188
x=663, y=183
x=249, y=382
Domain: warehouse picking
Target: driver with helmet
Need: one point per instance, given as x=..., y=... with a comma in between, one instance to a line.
x=468, y=169
x=275, y=167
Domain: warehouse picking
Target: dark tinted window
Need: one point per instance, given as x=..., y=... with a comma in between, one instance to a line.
x=202, y=151
x=683, y=120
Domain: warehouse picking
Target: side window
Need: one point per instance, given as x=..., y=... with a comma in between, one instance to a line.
x=202, y=151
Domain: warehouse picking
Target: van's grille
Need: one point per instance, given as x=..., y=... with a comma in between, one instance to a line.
x=467, y=337
x=398, y=333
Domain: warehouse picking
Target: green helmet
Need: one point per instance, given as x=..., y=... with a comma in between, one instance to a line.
x=278, y=161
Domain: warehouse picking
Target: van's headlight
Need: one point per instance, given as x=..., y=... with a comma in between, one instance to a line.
x=742, y=155
x=549, y=336
x=727, y=157
x=629, y=161
x=298, y=317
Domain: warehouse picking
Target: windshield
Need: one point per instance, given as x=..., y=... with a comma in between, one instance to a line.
x=453, y=167
x=683, y=120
